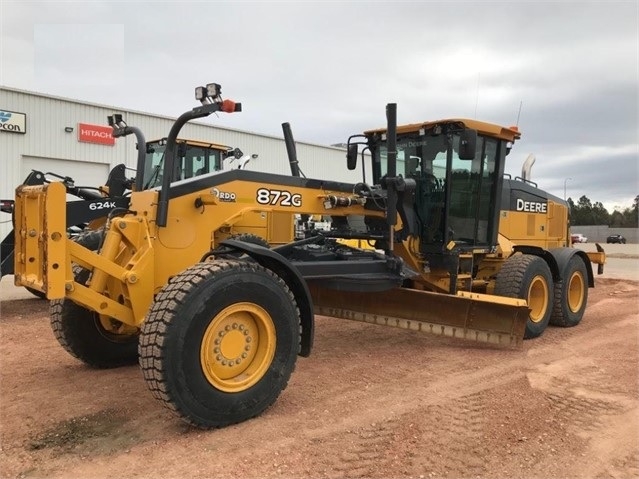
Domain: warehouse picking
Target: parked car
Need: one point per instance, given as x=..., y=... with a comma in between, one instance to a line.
x=578, y=238
x=616, y=239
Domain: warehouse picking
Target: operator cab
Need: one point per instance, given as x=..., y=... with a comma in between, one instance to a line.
x=193, y=158
x=457, y=166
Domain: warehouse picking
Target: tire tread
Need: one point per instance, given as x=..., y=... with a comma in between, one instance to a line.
x=160, y=315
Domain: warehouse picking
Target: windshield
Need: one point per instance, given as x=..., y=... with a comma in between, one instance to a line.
x=417, y=155
x=195, y=161
x=461, y=214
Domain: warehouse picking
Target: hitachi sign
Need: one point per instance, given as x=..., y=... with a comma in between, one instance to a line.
x=99, y=134
x=531, y=206
x=95, y=134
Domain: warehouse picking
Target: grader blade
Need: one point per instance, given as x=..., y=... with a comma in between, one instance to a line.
x=470, y=316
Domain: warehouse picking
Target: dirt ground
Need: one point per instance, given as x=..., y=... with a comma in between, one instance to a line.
x=371, y=401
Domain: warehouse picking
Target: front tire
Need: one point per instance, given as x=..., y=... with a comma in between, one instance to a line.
x=98, y=341
x=220, y=342
x=528, y=277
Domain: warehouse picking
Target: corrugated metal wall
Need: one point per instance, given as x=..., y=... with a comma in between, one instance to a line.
x=48, y=116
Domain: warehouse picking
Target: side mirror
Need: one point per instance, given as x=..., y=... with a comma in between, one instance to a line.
x=237, y=153
x=351, y=156
x=467, y=144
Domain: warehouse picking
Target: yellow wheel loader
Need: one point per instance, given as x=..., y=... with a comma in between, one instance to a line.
x=217, y=324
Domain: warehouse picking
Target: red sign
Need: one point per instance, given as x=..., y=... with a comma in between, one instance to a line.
x=95, y=134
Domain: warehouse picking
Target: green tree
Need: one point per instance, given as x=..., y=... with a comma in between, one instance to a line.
x=585, y=213
x=626, y=218
x=631, y=215
x=616, y=219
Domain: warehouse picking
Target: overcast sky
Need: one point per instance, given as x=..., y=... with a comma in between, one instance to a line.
x=329, y=68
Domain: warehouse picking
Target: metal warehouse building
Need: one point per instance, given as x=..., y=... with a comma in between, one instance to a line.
x=71, y=138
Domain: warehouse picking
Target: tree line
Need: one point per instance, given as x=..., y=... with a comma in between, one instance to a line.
x=585, y=213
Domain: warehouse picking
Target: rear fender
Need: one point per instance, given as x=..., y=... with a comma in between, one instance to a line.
x=546, y=255
x=285, y=270
x=564, y=255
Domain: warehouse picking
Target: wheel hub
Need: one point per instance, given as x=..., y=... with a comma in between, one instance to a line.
x=538, y=295
x=238, y=347
x=576, y=286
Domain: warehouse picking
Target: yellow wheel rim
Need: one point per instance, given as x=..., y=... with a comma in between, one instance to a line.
x=538, y=298
x=238, y=347
x=576, y=288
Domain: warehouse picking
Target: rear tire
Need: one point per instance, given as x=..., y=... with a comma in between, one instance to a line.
x=528, y=277
x=98, y=341
x=83, y=335
x=571, y=294
x=220, y=342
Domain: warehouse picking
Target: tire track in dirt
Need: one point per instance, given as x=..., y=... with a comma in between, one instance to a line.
x=365, y=452
x=454, y=438
x=404, y=442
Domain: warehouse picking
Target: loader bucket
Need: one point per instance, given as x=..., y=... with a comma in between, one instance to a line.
x=471, y=316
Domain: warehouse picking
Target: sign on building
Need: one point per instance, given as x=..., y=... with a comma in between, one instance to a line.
x=95, y=134
x=13, y=122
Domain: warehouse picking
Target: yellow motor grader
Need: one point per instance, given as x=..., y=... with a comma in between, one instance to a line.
x=217, y=323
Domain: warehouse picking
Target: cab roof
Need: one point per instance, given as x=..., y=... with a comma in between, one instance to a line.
x=201, y=144
x=483, y=128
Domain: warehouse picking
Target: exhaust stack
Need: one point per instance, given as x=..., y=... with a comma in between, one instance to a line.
x=527, y=166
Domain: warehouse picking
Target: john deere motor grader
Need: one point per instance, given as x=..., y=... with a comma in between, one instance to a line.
x=217, y=325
